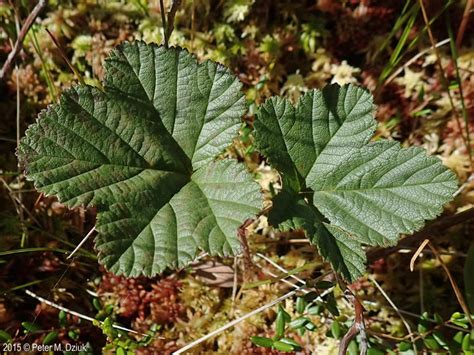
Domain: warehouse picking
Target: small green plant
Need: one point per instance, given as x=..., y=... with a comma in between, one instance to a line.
x=146, y=152
x=431, y=334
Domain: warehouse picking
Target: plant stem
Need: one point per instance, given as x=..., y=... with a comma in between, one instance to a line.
x=163, y=23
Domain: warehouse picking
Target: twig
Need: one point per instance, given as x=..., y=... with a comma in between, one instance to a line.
x=79, y=315
x=81, y=243
x=454, y=285
x=358, y=327
x=270, y=261
x=234, y=284
x=163, y=23
x=19, y=41
x=464, y=21
x=285, y=281
x=242, y=234
x=171, y=15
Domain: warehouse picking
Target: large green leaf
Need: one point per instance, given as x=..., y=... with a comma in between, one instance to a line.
x=143, y=151
x=370, y=193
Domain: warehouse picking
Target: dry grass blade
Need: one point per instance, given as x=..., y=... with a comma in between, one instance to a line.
x=454, y=285
x=65, y=58
x=417, y=253
x=77, y=314
x=399, y=312
x=464, y=21
x=81, y=243
x=444, y=82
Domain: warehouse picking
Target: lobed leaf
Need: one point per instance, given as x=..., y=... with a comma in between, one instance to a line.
x=143, y=151
x=370, y=193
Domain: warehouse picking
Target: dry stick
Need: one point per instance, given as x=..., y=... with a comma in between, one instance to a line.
x=270, y=261
x=444, y=81
x=358, y=327
x=454, y=285
x=464, y=21
x=404, y=321
x=305, y=291
x=79, y=315
x=242, y=234
x=163, y=23
x=234, y=284
x=81, y=243
x=171, y=14
x=19, y=41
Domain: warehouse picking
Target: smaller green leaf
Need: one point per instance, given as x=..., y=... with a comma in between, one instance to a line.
x=440, y=339
x=315, y=310
x=121, y=351
x=438, y=319
x=331, y=305
x=62, y=316
x=310, y=296
x=262, y=341
x=460, y=320
x=291, y=342
x=280, y=324
x=30, y=327
x=300, y=304
x=374, y=351
x=282, y=346
x=404, y=346
x=310, y=326
x=299, y=322
x=286, y=316
x=353, y=349
x=336, y=329
x=108, y=329
x=50, y=338
x=323, y=285
x=466, y=342
x=74, y=335
x=458, y=337
x=4, y=336
x=96, y=304
x=423, y=326
x=431, y=343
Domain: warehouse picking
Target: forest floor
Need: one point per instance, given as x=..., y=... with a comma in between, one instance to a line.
x=424, y=97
